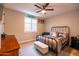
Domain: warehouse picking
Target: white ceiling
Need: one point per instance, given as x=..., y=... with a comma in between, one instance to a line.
x=29, y=8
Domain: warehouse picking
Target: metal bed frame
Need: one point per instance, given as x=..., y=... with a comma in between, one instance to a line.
x=61, y=29
x=58, y=29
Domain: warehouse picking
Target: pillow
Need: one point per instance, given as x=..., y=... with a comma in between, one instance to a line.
x=46, y=35
x=54, y=34
x=64, y=35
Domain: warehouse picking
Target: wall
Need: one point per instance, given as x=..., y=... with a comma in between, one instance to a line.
x=70, y=19
x=14, y=25
x=0, y=32
x=1, y=28
x=1, y=17
x=41, y=28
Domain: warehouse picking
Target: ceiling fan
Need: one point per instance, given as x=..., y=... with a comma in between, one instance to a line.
x=43, y=8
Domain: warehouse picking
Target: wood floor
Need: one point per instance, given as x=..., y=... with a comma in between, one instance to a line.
x=28, y=49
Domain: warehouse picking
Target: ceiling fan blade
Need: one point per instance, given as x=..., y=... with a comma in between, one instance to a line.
x=38, y=6
x=49, y=9
x=38, y=11
x=45, y=5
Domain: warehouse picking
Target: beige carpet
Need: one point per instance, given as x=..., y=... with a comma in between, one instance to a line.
x=28, y=49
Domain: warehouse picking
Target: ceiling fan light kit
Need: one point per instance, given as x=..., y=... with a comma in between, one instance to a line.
x=43, y=11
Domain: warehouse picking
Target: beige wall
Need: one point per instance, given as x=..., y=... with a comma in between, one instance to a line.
x=14, y=25
x=1, y=14
x=70, y=19
x=41, y=28
x=1, y=28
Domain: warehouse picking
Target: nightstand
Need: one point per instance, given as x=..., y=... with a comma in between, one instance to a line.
x=75, y=42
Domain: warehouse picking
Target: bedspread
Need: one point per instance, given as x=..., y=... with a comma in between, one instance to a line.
x=56, y=43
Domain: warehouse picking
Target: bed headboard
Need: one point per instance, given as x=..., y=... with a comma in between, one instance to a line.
x=60, y=29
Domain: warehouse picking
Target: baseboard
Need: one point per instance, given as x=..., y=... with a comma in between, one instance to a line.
x=25, y=41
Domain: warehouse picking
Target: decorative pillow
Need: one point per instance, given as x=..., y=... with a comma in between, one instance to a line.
x=46, y=35
x=54, y=34
x=62, y=35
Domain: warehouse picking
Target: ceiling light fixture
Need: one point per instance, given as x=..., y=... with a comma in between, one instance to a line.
x=43, y=8
x=43, y=11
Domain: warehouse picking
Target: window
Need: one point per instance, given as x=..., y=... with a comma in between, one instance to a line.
x=30, y=24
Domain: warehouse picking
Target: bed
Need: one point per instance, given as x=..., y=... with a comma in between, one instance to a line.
x=57, y=39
